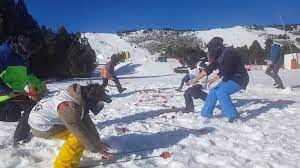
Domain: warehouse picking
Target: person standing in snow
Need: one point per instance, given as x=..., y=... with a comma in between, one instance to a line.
x=108, y=73
x=274, y=64
x=65, y=115
x=195, y=91
x=15, y=75
x=234, y=78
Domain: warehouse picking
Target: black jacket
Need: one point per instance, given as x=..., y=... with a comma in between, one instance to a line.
x=230, y=67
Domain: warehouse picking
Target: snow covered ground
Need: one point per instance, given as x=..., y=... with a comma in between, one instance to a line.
x=266, y=135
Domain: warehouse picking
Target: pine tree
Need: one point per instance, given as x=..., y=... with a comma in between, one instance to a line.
x=59, y=54
x=256, y=53
x=244, y=52
x=267, y=49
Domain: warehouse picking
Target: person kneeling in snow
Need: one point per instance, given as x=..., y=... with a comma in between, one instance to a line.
x=15, y=75
x=108, y=72
x=194, y=65
x=195, y=91
x=64, y=115
x=234, y=78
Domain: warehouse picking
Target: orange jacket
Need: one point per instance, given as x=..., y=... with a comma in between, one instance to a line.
x=108, y=70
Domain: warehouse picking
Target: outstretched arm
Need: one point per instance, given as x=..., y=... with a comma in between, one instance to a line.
x=211, y=81
x=206, y=72
x=200, y=76
x=84, y=130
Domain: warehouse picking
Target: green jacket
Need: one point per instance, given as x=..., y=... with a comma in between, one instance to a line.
x=16, y=78
x=14, y=73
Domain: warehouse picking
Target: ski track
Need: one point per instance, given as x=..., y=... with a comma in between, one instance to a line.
x=266, y=135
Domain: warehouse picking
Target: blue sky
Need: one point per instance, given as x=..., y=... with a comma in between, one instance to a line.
x=117, y=15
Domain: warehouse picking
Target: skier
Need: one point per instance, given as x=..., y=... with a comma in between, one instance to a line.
x=15, y=75
x=195, y=91
x=274, y=64
x=234, y=78
x=108, y=72
x=65, y=115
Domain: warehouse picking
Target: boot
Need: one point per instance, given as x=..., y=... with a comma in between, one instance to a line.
x=279, y=87
x=189, y=103
x=178, y=89
x=122, y=90
x=189, y=110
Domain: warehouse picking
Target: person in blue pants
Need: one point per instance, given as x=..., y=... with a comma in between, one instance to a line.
x=234, y=78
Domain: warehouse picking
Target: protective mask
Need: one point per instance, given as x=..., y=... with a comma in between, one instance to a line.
x=97, y=108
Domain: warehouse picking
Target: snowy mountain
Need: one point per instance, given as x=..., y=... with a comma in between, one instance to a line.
x=105, y=45
x=148, y=44
x=236, y=36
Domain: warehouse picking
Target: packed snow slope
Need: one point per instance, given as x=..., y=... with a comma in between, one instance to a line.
x=266, y=135
x=239, y=36
x=107, y=44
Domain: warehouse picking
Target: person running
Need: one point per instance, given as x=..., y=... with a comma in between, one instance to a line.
x=15, y=75
x=65, y=115
x=234, y=78
x=274, y=64
x=108, y=73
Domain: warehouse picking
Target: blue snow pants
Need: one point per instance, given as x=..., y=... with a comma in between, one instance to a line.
x=221, y=93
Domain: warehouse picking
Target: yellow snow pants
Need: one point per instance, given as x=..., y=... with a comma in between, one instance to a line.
x=70, y=154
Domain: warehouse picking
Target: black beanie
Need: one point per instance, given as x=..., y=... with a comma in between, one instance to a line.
x=216, y=42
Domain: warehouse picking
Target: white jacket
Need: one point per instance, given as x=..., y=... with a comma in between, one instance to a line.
x=195, y=72
x=44, y=114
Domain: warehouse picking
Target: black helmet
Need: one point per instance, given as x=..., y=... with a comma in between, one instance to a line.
x=191, y=61
x=215, y=42
x=215, y=47
x=114, y=58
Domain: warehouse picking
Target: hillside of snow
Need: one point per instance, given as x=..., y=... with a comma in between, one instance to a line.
x=147, y=45
x=267, y=134
x=106, y=44
x=237, y=36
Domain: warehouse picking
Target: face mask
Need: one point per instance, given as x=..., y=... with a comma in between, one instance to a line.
x=97, y=108
x=90, y=103
x=94, y=104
